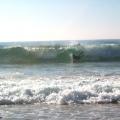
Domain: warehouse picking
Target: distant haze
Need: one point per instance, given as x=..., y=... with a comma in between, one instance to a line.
x=26, y=20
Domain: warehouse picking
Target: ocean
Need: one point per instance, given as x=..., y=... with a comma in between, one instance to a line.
x=60, y=80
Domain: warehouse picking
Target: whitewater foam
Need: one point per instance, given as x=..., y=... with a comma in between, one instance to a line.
x=59, y=89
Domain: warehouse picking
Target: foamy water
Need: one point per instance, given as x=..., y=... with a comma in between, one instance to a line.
x=60, y=84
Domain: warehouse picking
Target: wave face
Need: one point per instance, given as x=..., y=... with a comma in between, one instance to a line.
x=60, y=53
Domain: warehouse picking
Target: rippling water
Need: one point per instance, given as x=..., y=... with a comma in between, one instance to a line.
x=58, y=112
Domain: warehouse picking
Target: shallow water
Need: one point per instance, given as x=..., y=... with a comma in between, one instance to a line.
x=61, y=112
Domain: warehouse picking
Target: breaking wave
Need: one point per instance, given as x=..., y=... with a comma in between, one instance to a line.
x=59, y=53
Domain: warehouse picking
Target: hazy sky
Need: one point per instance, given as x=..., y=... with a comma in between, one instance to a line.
x=59, y=19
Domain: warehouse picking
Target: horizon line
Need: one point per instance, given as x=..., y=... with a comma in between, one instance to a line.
x=60, y=40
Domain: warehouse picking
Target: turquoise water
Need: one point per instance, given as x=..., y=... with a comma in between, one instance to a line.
x=53, y=89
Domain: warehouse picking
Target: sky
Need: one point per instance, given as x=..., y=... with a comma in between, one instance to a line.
x=26, y=20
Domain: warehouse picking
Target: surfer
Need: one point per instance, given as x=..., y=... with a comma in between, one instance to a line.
x=77, y=57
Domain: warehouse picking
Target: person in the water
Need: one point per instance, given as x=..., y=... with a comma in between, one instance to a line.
x=78, y=57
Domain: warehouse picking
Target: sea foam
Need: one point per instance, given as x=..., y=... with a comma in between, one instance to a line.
x=58, y=89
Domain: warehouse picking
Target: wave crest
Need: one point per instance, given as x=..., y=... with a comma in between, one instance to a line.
x=76, y=53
